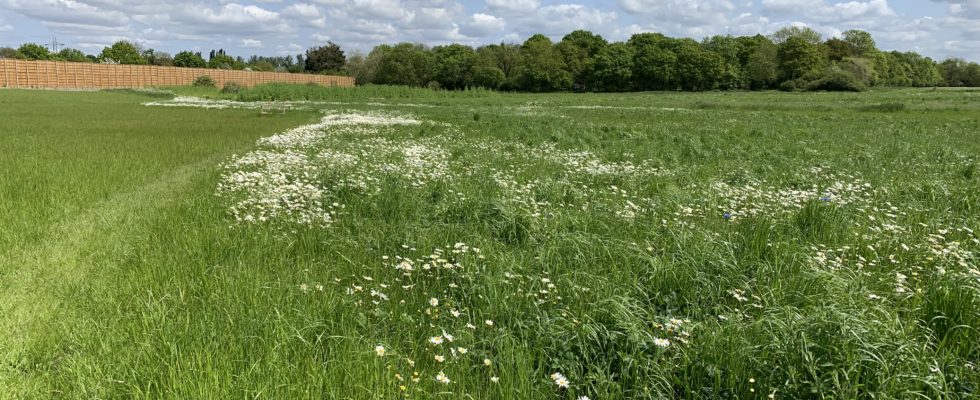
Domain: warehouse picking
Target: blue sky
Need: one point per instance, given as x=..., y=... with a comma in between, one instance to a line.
x=936, y=28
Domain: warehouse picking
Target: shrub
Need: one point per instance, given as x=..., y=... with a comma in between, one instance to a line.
x=204, y=81
x=231, y=87
x=837, y=81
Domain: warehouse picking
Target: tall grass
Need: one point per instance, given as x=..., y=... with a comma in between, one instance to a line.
x=125, y=277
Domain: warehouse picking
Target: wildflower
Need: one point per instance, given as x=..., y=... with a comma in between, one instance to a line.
x=379, y=350
x=560, y=380
x=303, y=288
x=661, y=342
x=727, y=216
x=488, y=322
x=454, y=312
x=435, y=340
x=487, y=362
x=448, y=336
x=434, y=302
x=442, y=378
x=584, y=398
x=494, y=379
x=462, y=350
x=440, y=358
x=751, y=380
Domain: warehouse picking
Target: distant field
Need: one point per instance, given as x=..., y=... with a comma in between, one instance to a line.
x=384, y=243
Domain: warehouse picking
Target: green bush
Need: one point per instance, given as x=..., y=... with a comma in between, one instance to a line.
x=232, y=87
x=837, y=81
x=204, y=81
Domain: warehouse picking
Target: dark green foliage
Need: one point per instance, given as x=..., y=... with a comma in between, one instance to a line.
x=454, y=66
x=407, y=64
x=224, y=61
x=204, y=81
x=799, y=57
x=487, y=76
x=328, y=58
x=73, y=55
x=123, y=52
x=698, y=69
x=612, y=69
x=544, y=68
x=10, y=52
x=231, y=87
x=654, y=61
x=34, y=51
x=837, y=81
x=189, y=59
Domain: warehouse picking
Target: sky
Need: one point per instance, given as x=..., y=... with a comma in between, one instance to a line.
x=935, y=28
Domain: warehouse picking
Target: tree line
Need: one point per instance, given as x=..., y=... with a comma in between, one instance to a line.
x=322, y=59
x=793, y=58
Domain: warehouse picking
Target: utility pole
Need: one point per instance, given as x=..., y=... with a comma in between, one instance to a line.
x=55, y=45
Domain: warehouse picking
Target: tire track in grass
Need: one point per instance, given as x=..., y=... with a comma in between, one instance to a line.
x=34, y=309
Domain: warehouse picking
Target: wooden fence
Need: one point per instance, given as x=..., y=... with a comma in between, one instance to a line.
x=71, y=75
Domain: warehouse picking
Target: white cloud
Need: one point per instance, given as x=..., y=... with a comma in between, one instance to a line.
x=482, y=25
x=951, y=28
x=514, y=5
x=820, y=11
x=302, y=10
x=252, y=44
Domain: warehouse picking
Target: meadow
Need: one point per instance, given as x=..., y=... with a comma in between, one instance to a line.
x=389, y=243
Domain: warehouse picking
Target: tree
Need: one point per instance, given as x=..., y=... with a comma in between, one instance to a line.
x=405, y=64
x=123, y=52
x=762, y=67
x=262, y=65
x=612, y=68
x=365, y=69
x=799, y=57
x=698, y=69
x=10, y=52
x=300, y=64
x=189, y=60
x=453, y=65
x=654, y=61
x=160, y=58
x=327, y=58
x=860, y=42
x=805, y=33
x=487, y=76
x=544, y=69
x=731, y=50
x=505, y=57
x=838, y=49
x=578, y=50
x=73, y=55
x=224, y=61
x=34, y=51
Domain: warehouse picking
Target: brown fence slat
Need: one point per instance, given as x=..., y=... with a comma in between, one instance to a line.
x=51, y=74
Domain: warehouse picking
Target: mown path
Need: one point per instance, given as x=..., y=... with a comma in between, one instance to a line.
x=34, y=297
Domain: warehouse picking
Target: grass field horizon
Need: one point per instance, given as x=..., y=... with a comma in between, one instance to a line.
x=388, y=243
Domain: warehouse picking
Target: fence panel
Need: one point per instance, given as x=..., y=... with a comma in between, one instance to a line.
x=64, y=75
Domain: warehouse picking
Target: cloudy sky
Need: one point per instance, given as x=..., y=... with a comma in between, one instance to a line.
x=936, y=28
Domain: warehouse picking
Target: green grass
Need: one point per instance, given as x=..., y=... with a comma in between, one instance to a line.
x=122, y=274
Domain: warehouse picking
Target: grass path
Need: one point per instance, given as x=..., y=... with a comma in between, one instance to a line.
x=87, y=174
x=36, y=299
